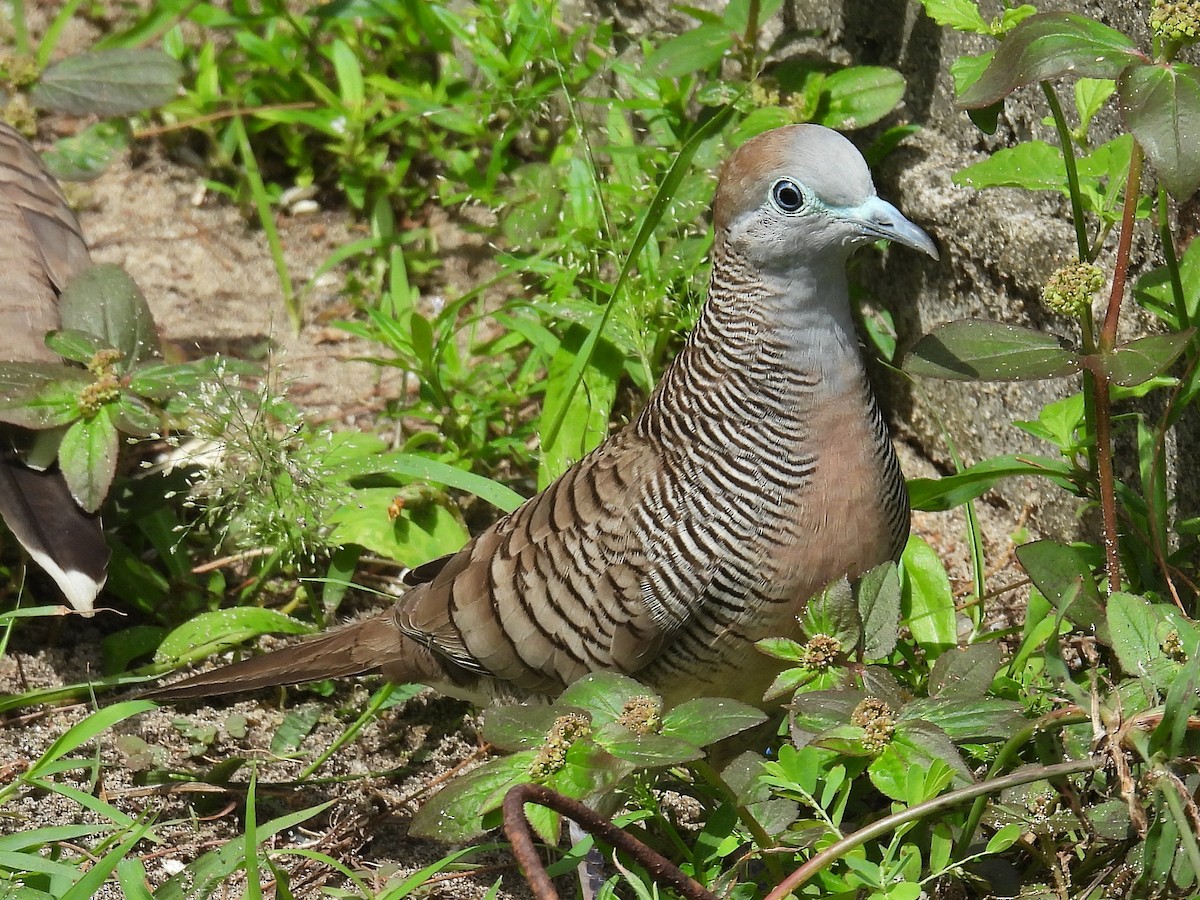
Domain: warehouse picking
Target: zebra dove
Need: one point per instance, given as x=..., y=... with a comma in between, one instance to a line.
x=759, y=471
x=41, y=249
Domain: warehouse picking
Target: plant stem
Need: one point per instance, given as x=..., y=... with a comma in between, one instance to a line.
x=1108, y=334
x=921, y=810
x=1068, y=149
x=1100, y=392
x=1168, y=248
x=1104, y=474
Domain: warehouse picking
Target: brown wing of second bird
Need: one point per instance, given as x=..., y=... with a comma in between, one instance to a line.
x=41, y=250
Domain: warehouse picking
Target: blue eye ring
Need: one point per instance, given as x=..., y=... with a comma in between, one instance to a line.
x=787, y=196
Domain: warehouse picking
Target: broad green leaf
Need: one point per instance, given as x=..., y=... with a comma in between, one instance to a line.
x=1142, y=638
x=211, y=632
x=455, y=813
x=603, y=694
x=1033, y=165
x=77, y=346
x=961, y=15
x=87, y=153
x=104, y=301
x=415, y=534
x=781, y=648
x=858, y=96
x=585, y=422
x=983, y=350
x=108, y=82
x=692, y=51
x=834, y=612
x=915, y=745
x=1161, y=106
x=40, y=395
x=1170, y=734
x=817, y=712
x=1153, y=290
x=520, y=727
x=1140, y=360
x=1048, y=45
x=879, y=610
x=646, y=750
x=940, y=494
x=981, y=719
x=88, y=458
x=1065, y=579
x=964, y=673
x=706, y=720
x=926, y=599
x=966, y=70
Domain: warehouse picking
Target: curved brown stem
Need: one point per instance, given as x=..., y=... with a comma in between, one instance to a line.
x=520, y=834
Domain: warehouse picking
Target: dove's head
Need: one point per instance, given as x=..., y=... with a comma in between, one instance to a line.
x=803, y=193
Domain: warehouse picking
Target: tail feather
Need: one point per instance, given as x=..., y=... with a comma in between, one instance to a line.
x=373, y=644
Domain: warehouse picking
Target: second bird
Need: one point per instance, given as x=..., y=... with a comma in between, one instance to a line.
x=759, y=471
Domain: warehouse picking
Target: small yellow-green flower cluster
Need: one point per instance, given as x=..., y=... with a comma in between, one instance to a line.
x=107, y=386
x=1176, y=20
x=553, y=754
x=20, y=115
x=642, y=714
x=18, y=69
x=1172, y=647
x=1070, y=290
x=875, y=718
x=820, y=652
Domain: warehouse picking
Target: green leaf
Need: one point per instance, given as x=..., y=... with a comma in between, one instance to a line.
x=979, y=720
x=295, y=727
x=410, y=466
x=418, y=533
x=1048, y=45
x=1066, y=580
x=961, y=15
x=915, y=746
x=926, y=599
x=1161, y=106
x=77, y=346
x=646, y=750
x=1032, y=165
x=983, y=350
x=1140, y=360
x=692, y=51
x=706, y=720
x=108, y=82
x=1090, y=96
x=212, y=632
x=834, y=612
x=585, y=422
x=455, y=813
x=91, y=727
x=1153, y=290
x=781, y=648
x=858, y=96
x=88, y=458
x=879, y=610
x=818, y=711
x=519, y=727
x=104, y=301
x=963, y=673
x=603, y=694
x=1005, y=838
x=941, y=494
x=40, y=395
x=1139, y=631
x=87, y=153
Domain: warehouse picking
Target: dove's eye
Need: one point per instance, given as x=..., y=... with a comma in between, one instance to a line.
x=787, y=196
